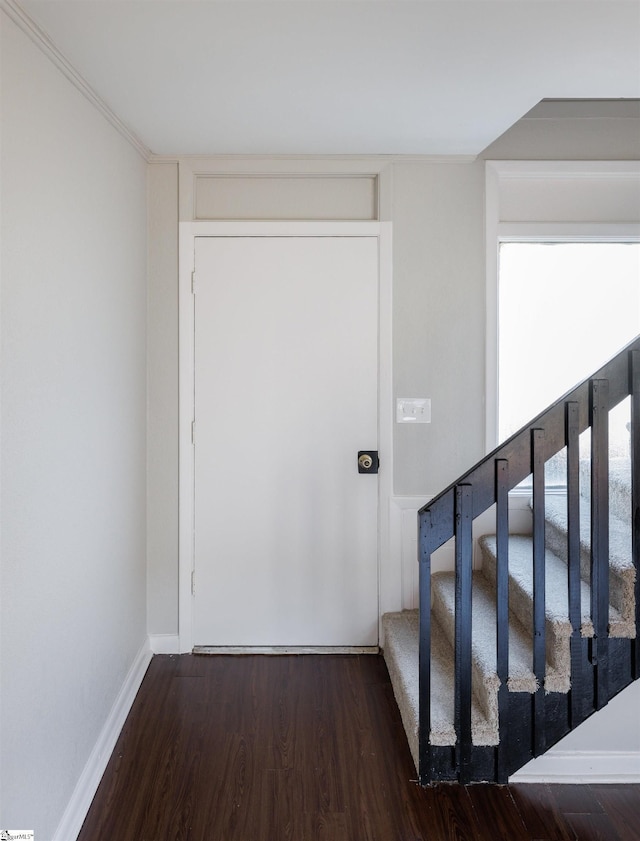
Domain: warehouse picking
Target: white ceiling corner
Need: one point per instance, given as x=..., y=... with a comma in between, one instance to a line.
x=17, y=14
x=336, y=77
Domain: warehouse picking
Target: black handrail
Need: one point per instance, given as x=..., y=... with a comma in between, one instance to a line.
x=450, y=514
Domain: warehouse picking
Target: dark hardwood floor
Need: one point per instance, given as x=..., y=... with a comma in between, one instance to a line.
x=303, y=748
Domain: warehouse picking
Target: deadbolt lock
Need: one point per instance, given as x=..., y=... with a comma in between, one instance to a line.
x=368, y=461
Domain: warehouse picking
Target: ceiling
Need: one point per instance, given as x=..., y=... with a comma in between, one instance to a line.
x=340, y=76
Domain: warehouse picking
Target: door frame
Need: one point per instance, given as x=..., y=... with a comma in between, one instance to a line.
x=389, y=573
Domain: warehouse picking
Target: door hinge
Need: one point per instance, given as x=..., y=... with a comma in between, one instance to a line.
x=193, y=282
x=193, y=582
x=193, y=432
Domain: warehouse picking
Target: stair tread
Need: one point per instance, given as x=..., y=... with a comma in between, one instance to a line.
x=619, y=485
x=620, y=557
x=401, y=647
x=484, y=646
x=620, y=473
x=556, y=584
x=622, y=573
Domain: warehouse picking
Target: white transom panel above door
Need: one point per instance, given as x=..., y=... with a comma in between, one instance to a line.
x=286, y=395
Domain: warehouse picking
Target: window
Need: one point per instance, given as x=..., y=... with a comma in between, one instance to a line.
x=563, y=282
x=564, y=308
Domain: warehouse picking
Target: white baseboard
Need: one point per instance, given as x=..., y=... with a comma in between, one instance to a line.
x=164, y=643
x=581, y=767
x=87, y=785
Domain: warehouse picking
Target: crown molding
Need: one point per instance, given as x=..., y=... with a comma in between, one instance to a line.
x=258, y=158
x=39, y=37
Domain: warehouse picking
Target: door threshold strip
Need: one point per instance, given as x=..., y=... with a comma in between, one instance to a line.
x=286, y=649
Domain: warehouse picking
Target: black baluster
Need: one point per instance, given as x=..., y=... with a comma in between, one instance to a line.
x=424, y=666
x=573, y=558
x=599, y=419
x=463, y=630
x=539, y=631
x=502, y=611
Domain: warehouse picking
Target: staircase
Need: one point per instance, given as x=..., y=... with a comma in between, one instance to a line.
x=500, y=663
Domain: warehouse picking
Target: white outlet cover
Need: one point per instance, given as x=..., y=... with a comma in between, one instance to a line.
x=413, y=410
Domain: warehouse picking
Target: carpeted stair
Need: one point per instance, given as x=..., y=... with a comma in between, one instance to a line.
x=401, y=629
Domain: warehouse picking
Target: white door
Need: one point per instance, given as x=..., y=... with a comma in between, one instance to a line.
x=286, y=359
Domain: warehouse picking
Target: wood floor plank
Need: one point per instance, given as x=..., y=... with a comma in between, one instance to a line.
x=325, y=826
x=494, y=806
x=308, y=748
x=622, y=805
x=454, y=818
x=540, y=813
x=593, y=827
x=576, y=799
x=392, y=758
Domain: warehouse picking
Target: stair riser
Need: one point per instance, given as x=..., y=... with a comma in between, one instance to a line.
x=620, y=588
x=557, y=635
x=487, y=696
x=407, y=704
x=619, y=487
x=620, y=499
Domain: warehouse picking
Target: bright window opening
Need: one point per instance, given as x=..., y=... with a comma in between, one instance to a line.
x=564, y=309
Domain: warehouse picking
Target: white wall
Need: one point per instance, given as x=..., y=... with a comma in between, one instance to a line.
x=438, y=320
x=162, y=403
x=73, y=615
